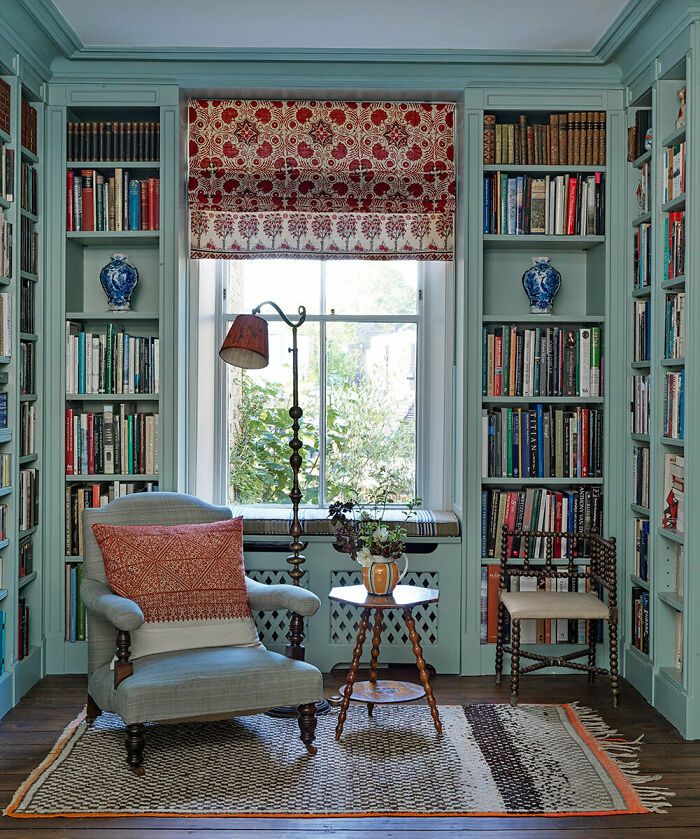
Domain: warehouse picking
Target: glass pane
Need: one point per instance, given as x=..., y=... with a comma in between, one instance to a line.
x=371, y=414
x=289, y=282
x=260, y=427
x=362, y=287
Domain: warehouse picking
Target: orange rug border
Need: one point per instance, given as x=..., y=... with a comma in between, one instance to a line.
x=623, y=786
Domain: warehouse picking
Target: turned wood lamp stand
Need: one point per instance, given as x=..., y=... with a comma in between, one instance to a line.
x=384, y=691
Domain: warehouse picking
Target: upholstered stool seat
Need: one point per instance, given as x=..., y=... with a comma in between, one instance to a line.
x=214, y=681
x=522, y=605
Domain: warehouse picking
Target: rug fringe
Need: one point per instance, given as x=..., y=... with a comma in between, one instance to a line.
x=624, y=754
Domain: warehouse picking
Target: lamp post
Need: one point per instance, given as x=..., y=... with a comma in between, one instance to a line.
x=246, y=346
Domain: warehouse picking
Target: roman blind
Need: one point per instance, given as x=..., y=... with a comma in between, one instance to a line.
x=370, y=180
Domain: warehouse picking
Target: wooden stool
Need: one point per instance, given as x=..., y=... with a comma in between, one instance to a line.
x=384, y=691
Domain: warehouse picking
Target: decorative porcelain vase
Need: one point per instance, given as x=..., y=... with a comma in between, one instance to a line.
x=541, y=284
x=118, y=280
x=382, y=575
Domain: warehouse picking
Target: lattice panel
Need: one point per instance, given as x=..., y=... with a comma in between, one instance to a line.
x=345, y=619
x=272, y=626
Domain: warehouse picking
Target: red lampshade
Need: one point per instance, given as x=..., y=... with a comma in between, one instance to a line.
x=246, y=344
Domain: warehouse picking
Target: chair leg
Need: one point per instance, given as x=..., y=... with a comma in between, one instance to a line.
x=612, y=630
x=92, y=710
x=135, y=742
x=514, y=661
x=307, y=726
x=591, y=628
x=499, y=643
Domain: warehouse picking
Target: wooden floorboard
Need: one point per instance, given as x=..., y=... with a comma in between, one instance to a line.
x=29, y=731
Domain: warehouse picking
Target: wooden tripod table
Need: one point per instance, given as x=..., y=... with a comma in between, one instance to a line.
x=384, y=691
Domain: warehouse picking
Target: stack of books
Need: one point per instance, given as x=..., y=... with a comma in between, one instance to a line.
x=7, y=172
x=542, y=442
x=571, y=139
x=641, y=402
x=26, y=315
x=641, y=549
x=5, y=102
x=542, y=361
x=3, y=521
x=637, y=134
x=642, y=330
x=572, y=205
x=644, y=188
x=674, y=405
x=5, y=470
x=75, y=623
x=26, y=557
x=673, y=182
x=640, y=475
x=107, y=141
x=640, y=619
x=579, y=509
x=115, y=362
x=26, y=367
x=674, y=331
x=674, y=244
x=119, y=202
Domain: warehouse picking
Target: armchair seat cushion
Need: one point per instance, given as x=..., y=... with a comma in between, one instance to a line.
x=553, y=604
x=204, y=682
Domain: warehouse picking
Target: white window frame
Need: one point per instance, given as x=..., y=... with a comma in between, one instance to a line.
x=208, y=429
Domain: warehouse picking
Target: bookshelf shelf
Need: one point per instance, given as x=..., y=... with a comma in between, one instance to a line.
x=544, y=320
x=545, y=400
x=28, y=397
x=642, y=159
x=28, y=458
x=5, y=359
x=28, y=336
x=70, y=558
x=5, y=204
x=640, y=438
x=543, y=169
x=672, y=534
x=113, y=164
x=29, y=155
x=5, y=435
x=112, y=316
x=638, y=581
x=676, y=282
x=25, y=534
x=640, y=293
x=5, y=490
x=114, y=237
x=677, y=203
x=102, y=478
x=544, y=482
x=4, y=543
x=3, y=593
x=24, y=581
x=672, y=362
x=526, y=241
x=112, y=397
x=28, y=275
x=30, y=216
x=672, y=599
x=672, y=441
x=642, y=511
x=675, y=137
x=640, y=365
x=643, y=219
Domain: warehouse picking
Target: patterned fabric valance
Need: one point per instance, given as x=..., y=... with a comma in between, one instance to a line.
x=307, y=179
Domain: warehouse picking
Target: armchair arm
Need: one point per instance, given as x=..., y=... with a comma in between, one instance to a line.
x=121, y=612
x=267, y=598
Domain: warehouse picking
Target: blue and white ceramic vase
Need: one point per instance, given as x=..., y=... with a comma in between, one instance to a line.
x=118, y=280
x=541, y=284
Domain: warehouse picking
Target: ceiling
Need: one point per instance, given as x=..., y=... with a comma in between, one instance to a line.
x=352, y=24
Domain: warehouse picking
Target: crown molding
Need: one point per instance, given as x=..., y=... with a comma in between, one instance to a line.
x=623, y=27
x=692, y=15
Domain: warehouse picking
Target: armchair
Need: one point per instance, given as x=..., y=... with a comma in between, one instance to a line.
x=198, y=684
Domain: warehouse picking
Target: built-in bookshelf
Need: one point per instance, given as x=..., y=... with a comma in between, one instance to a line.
x=21, y=290
x=109, y=163
x=659, y=651
x=544, y=393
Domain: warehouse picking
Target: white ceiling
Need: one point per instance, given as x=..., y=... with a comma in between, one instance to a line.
x=360, y=24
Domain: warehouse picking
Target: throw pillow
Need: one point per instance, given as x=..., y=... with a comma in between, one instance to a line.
x=188, y=579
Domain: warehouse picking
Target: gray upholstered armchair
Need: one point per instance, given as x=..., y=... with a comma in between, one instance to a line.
x=205, y=684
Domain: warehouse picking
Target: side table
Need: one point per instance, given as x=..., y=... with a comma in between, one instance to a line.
x=384, y=691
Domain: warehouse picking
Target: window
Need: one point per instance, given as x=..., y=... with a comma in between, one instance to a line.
x=372, y=358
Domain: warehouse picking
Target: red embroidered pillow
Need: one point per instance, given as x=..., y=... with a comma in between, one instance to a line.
x=188, y=579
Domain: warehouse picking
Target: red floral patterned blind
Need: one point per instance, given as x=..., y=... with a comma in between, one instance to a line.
x=371, y=180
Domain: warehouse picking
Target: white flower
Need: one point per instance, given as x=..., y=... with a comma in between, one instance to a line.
x=380, y=534
x=364, y=557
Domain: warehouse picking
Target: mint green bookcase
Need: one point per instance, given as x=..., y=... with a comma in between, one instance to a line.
x=21, y=673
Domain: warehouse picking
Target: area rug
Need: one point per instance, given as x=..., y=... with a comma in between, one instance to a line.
x=545, y=760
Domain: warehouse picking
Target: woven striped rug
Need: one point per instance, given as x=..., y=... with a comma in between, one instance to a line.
x=491, y=760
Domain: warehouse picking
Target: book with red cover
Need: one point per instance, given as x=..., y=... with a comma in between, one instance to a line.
x=152, y=204
x=558, y=501
x=95, y=501
x=156, y=211
x=143, y=206
x=70, y=445
x=88, y=199
x=498, y=366
x=492, y=604
x=571, y=207
x=585, y=431
x=70, y=220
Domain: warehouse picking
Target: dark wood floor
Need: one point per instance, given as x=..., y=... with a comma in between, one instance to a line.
x=30, y=730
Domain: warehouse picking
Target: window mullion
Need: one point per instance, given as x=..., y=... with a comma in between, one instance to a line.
x=322, y=417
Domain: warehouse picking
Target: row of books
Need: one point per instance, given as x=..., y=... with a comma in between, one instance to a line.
x=106, y=141
x=5, y=470
x=28, y=499
x=27, y=428
x=543, y=442
x=640, y=475
x=29, y=131
x=673, y=172
x=3, y=405
x=574, y=510
x=22, y=629
x=642, y=255
x=5, y=324
x=75, y=617
x=576, y=138
x=542, y=361
x=572, y=205
x=641, y=549
x=674, y=493
x=639, y=134
x=643, y=192
x=26, y=557
x=533, y=631
x=120, y=202
x=114, y=362
x=78, y=497
x=26, y=367
x=674, y=325
x=5, y=245
x=641, y=404
x=674, y=405
x=640, y=619
x=29, y=188
x=27, y=310
x=674, y=244
x=107, y=443
x=29, y=246
x=642, y=331
x=5, y=102
x=7, y=172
